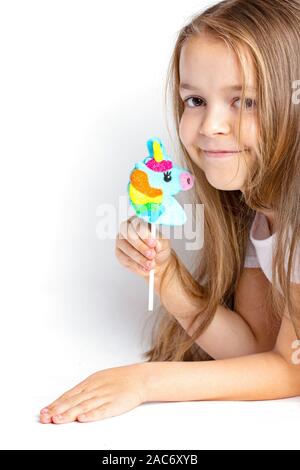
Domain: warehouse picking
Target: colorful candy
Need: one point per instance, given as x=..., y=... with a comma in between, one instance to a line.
x=153, y=183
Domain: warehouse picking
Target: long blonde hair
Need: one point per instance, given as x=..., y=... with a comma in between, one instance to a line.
x=269, y=30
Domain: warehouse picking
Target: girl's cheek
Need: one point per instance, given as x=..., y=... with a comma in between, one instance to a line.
x=188, y=134
x=250, y=133
x=182, y=133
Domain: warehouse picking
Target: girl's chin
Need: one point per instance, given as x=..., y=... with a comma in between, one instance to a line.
x=221, y=184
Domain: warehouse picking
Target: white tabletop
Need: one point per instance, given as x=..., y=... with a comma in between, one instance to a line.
x=76, y=332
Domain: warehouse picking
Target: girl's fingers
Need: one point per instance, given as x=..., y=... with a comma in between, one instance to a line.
x=142, y=228
x=132, y=265
x=102, y=412
x=137, y=234
x=79, y=388
x=62, y=405
x=135, y=255
x=82, y=408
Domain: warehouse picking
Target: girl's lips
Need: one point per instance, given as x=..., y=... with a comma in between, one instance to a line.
x=220, y=154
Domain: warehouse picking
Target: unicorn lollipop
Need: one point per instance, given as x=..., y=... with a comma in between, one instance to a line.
x=153, y=183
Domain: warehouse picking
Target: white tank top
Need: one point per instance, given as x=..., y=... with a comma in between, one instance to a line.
x=261, y=246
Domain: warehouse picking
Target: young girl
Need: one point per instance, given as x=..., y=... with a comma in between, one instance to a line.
x=229, y=331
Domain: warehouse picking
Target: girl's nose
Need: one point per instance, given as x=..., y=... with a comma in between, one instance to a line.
x=215, y=122
x=186, y=181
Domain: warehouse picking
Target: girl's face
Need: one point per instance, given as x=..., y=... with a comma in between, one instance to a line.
x=209, y=79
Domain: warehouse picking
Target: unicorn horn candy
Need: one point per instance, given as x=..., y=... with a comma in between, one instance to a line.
x=152, y=185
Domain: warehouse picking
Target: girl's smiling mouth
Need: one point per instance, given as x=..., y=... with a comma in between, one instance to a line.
x=220, y=154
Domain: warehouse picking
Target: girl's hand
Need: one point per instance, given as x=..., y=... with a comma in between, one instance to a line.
x=107, y=393
x=136, y=251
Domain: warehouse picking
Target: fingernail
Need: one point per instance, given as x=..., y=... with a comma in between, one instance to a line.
x=45, y=411
x=45, y=417
x=151, y=242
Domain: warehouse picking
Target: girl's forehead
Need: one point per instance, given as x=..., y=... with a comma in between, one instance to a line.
x=208, y=59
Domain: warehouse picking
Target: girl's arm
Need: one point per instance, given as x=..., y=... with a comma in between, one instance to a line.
x=228, y=335
x=110, y=392
x=265, y=376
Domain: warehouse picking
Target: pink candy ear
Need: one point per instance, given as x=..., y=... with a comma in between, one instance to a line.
x=186, y=181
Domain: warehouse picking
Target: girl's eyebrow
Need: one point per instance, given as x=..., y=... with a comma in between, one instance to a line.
x=186, y=86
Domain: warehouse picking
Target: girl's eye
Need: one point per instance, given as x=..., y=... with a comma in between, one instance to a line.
x=249, y=103
x=193, y=98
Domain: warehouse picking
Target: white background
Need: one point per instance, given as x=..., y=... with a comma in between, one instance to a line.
x=82, y=89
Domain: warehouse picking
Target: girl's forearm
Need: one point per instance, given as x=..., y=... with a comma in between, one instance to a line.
x=228, y=335
x=263, y=376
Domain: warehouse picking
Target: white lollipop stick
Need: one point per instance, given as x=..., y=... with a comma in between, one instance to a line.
x=151, y=279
